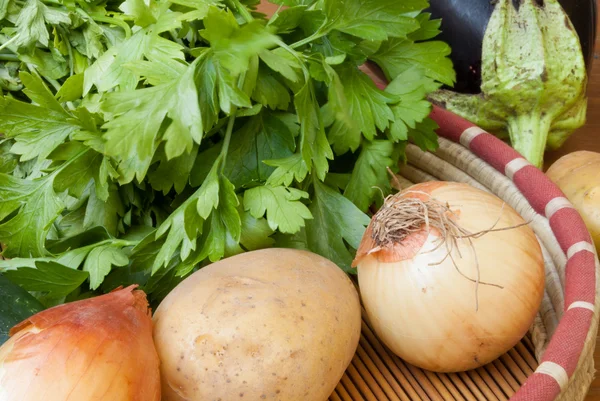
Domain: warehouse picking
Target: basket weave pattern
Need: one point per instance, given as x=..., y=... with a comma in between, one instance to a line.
x=555, y=362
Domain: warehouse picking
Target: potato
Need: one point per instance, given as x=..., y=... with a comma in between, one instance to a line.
x=274, y=324
x=577, y=174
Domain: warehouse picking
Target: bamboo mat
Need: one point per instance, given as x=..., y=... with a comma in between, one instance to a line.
x=376, y=374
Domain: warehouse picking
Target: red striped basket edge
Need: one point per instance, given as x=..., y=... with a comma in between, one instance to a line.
x=562, y=355
x=566, y=345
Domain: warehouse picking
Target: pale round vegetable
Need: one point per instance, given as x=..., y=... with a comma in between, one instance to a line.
x=577, y=174
x=274, y=324
x=438, y=308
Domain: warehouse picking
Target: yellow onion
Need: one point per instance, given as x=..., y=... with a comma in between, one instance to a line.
x=577, y=174
x=98, y=349
x=440, y=289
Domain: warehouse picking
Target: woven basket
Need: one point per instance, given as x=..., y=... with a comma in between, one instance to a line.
x=555, y=360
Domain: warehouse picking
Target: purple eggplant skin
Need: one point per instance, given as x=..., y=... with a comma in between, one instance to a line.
x=463, y=26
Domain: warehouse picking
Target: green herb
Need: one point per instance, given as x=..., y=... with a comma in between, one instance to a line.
x=143, y=140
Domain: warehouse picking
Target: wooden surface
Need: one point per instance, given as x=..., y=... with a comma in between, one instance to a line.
x=586, y=138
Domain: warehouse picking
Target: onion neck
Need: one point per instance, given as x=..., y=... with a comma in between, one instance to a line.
x=402, y=225
x=392, y=252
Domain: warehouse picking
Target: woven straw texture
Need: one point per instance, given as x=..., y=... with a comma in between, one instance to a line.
x=555, y=360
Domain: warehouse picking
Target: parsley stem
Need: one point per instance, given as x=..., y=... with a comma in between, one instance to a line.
x=123, y=243
x=242, y=10
x=103, y=18
x=9, y=42
x=275, y=15
x=69, y=162
x=176, y=39
x=318, y=34
x=227, y=139
x=230, y=124
x=65, y=37
x=53, y=82
x=294, y=54
x=216, y=128
x=9, y=57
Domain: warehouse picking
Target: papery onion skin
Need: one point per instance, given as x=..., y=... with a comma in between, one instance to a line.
x=426, y=314
x=97, y=349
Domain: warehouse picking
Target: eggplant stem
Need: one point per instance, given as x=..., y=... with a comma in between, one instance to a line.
x=529, y=135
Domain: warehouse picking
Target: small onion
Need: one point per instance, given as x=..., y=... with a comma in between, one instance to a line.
x=91, y=350
x=455, y=304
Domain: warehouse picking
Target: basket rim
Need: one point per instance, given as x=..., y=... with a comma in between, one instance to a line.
x=564, y=350
x=566, y=345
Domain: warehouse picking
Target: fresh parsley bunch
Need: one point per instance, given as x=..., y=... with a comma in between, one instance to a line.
x=142, y=140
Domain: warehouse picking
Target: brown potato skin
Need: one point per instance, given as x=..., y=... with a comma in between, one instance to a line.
x=273, y=324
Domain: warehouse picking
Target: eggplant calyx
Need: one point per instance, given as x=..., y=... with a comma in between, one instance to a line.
x=528, y=135
x=533, y=79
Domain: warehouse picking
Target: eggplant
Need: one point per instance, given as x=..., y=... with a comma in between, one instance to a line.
x=463, y=26
x=521, y=68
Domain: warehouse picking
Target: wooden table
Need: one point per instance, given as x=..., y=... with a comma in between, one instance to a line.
x=585, y=138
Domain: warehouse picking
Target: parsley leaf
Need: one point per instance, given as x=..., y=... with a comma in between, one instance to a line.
x=49, y=277
x=3, y=8
x=38, y=92
x=37, y=130
x=288, y=169
x=411, y=87
x=36, y=206
x=256, y=233
x=281, y=62
x=173, y=173
x=336, y=222
x=367, y=107
x=100, y=261
x=233, y=45
x=265, y=136
x=32, y=20
x=104, y=213
x=286, y=20
x=270, y=91
x=282, y=206
x=132, y=135
x=146, y=139
x=84, y=166
x=110, y=71
x=191, y=216
x=374, y=19
x=424, y=135
x=8, y=160
x=370, y=173
x=428, y=28
x=314, y=145
x=72, y=89
x=222, y=233
x=395, y=56
x=140, y=11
